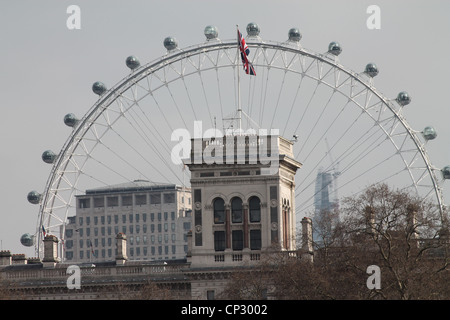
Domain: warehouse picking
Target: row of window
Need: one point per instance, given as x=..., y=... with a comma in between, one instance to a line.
x=237, y=240
x=131, y=240
x=133, y=252
x=131, y=217
x=237, y=213
x=131, y=229
x=127, y=200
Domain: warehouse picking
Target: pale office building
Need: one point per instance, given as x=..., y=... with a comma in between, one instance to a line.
x=155, y=219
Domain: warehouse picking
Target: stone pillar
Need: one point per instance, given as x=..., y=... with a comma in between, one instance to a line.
x=19, y=258
x=307, y=239
x=50, y=251
x=5, y=258
x=189, y=244
x=227, y=226
x=245, y=216
x=370, y=219
x=121, y=243
x=411, y=220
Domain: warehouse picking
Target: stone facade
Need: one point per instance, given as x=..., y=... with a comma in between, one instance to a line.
x=239, y=213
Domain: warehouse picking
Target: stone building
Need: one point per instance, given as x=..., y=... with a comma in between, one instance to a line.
x=243, y=208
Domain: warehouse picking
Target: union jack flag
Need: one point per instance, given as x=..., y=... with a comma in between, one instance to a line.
x=245, y=51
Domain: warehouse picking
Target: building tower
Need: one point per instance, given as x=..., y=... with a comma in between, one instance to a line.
x=243, y=192
x=326, y=204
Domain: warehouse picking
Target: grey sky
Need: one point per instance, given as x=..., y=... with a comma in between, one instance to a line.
x=47, y=70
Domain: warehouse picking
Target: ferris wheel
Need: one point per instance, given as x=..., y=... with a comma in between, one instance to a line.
x=309, y=97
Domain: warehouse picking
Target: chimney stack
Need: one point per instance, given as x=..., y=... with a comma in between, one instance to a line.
x=5, y=258
x=370, y=220
x=50, y=251
x=19, y=259
x=307, y=239
x=411, y=221
x=121, y=242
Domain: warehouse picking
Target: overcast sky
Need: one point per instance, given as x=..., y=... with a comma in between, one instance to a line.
x=46, y=70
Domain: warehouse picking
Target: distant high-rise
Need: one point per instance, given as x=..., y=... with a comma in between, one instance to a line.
x=326, y=204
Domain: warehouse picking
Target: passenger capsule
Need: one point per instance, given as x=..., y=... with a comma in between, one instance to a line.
x=371, y=70
x=170, y=43
x=211, y=32
x=70, y=120
x=334, y=48
x=403, y=98
x=294, y=34
x=48, y=156
x=429, y=133
x=34, y=197
x=99, y=88
x=253, y=29
x=446, y=172
x=132, y=62
x=27, y=240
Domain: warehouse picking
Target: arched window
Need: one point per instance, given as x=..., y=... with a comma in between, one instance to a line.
x=219, y=210
x=236, y=210
x=254, y=205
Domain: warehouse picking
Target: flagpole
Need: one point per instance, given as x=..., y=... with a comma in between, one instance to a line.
x=238, y=81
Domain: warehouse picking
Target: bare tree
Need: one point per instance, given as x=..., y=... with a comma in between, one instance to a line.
x=403, y=235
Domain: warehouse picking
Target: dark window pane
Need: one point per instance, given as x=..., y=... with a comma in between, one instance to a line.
x=236, y=210
x=255, y=209
x=219, y=210
x=219, y=240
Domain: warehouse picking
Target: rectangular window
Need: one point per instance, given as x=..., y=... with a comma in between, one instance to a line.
x=255, y=239
x=207, y=174
x=99, y=202
x=169, y=198
x=210, y=295
x=84, y=203
x=141, y=199
x=127, y=201
x=155, y=198
x=237, y=237
x=219, y=240
x=112, y=201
